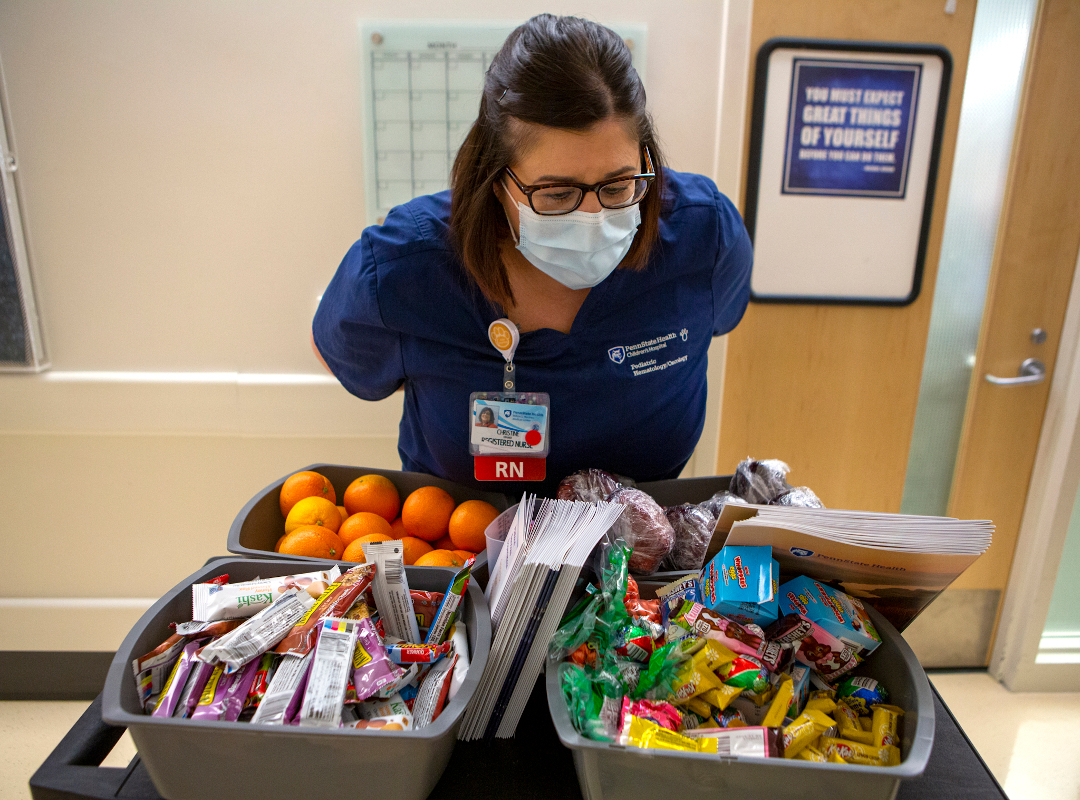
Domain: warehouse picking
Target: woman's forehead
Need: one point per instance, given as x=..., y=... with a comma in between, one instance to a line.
x=549, y=154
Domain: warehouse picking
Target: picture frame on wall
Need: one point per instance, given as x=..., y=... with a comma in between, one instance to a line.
x=844, y=149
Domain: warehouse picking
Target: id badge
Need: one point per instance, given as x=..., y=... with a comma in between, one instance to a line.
x=508, y=430
x=508, y=435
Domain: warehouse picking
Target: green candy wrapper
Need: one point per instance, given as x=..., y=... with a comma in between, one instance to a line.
x=583, y=702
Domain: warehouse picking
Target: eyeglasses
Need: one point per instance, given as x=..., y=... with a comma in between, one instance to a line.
x=552, y=199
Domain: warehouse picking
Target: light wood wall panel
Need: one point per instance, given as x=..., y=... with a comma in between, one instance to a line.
x=832, y=390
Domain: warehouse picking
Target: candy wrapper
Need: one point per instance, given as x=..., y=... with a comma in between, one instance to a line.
x=663, y=714
x=644, y=527
x=173, y=689
x=693, y=529
x=259, y=633
x=405, y=653
x=432, y=694
x=639, y=732
x=334, y=602
x=390, y=589
x=803, y=730
x=285, y=692
x=694, y=618
x=264, y=672
x=372, y=669
x=201, y=629
x=862, y=693
x=755, y=742
x=211, y=703
x=213, y=601
x=588, y=485
x=460, y=638
x=813, y=646
x=425, y=605
x=583, y=702
x=329, y=675
x=153, y=669
x=448, y=609
x=672, y=595
x=385, y=714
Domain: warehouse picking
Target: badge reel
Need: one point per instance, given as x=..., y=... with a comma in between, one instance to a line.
x=508, y=429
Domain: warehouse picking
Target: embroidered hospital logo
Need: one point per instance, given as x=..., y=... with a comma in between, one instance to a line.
x=683, y=333
x=617, y=354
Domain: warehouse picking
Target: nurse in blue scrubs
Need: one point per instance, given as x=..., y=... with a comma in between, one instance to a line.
x=562, y=217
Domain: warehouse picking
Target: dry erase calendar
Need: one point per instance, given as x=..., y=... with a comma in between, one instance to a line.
x=421, y=84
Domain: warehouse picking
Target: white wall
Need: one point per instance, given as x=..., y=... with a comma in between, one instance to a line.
x=190, y=176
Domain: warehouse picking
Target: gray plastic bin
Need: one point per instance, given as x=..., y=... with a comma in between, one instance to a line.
x=611, y=772
x=240, y=761
x=259, y=524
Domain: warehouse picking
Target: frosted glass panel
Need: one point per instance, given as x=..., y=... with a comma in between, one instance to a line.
x=1064, y=616
x=984, y=141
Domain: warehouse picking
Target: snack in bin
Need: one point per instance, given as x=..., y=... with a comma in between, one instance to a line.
x=709, y=685
x=331, y=669
x=644, y=527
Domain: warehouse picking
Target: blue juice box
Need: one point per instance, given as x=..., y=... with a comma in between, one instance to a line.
x=834, y=611
x=742, y=584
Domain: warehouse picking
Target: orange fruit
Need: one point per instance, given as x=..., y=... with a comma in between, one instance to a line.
x=398, y=528
x=277, y=545
x=354, y=551
x=304, y=484
x=464, y=555
x=426, y=513
x=445, y=543
x=316, y=541
x=344, y=513
x=439, y=558
x=413, y=548
x=364, y=523
x=313, y=511
x=468, y=523
x=373, y=493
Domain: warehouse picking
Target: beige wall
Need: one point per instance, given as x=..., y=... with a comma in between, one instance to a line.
x=190, y=176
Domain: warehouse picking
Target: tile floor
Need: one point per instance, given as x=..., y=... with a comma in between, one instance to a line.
x=1029, y=741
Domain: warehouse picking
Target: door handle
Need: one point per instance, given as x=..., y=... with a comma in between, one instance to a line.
x=1031, y=371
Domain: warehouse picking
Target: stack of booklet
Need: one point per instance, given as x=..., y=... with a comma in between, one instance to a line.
x=897, y=563
x=530, y=585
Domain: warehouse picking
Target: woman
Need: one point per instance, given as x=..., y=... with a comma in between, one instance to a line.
x=562, y=218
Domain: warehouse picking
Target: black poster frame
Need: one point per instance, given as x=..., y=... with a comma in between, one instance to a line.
x=757, y=124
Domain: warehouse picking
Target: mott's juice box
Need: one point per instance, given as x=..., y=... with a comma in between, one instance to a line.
x=742, y=584
x=832, y=610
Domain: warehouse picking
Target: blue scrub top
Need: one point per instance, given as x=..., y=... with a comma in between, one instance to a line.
x=627, y=384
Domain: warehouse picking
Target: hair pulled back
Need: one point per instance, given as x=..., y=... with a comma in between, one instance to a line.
x=559, y=72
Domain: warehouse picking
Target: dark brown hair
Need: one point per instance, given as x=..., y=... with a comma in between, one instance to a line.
x=560, y=72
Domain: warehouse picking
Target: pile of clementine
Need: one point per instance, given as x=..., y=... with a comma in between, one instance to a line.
x=434, y=530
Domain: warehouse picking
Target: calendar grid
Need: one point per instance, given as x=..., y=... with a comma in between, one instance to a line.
x=422, y=85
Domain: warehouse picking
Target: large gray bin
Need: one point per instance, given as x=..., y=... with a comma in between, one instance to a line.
x=259, y=524
x=196, y=760
x=611, y=772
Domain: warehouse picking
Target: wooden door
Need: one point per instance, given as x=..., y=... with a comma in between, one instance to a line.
x=1034, y=261
x=833, y=390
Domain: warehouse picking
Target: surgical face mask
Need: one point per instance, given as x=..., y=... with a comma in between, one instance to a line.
x=578, y=249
